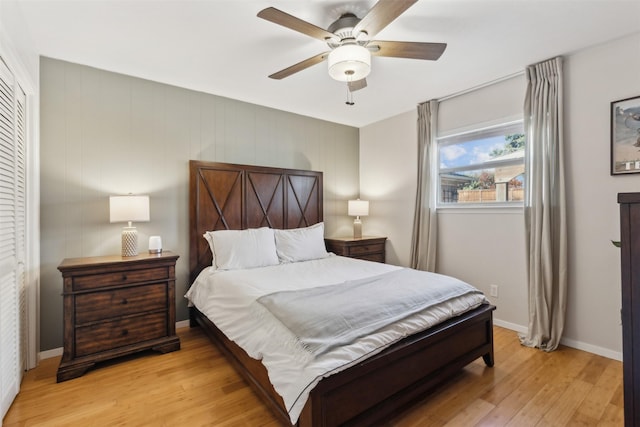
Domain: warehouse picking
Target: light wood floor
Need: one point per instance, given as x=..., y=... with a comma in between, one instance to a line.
x=196, y=386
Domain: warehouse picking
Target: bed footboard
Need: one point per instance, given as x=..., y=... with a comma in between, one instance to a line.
x=382, y=385
x=385, y=384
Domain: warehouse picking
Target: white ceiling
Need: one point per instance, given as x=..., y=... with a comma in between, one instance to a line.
x=221, y=47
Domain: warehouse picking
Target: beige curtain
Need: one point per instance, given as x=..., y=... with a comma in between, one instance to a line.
x=423, y=244
x=545, y=211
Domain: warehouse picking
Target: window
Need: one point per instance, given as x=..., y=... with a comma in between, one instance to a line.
x=482, y=166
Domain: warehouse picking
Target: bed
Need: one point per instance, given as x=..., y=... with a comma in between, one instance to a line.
x=240, y=197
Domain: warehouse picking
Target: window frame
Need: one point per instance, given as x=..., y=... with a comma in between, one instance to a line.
x=501, y=128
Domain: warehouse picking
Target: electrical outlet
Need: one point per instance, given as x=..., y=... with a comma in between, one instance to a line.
x=493, y=290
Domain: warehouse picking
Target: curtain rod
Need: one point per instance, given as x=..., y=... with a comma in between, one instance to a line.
x=481, y=86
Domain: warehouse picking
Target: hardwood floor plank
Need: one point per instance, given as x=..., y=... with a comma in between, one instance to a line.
x=520, y=366
x=613, y=417
x=516, y=389
x=197, y=386
x=603, y=392
x=543, y=389
x=471, y=414
x=594, y=369
x=507, y=409
x=566, y=404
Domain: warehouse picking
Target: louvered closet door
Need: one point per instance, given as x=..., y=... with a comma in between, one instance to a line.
x=12, y=236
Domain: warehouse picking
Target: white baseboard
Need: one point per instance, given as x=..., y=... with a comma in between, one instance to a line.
x=578, y=345
x=48, y=354
x=55, y=352
x=600, y=351
x=510, y=326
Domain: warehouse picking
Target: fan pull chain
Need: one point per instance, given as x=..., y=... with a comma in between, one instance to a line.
x=349, y=96
x=349, y=74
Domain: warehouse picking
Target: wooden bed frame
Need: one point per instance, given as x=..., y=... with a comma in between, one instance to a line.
x=228, y=196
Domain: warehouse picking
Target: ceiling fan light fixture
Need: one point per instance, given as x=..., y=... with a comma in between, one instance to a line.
x=349, y=62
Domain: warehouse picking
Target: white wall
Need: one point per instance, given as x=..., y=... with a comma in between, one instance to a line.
x=105, y=133
x=16, y=42
x=495, y=103
x=485, y=247
x=594, y=78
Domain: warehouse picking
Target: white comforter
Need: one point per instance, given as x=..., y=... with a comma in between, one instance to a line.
x=227, y=299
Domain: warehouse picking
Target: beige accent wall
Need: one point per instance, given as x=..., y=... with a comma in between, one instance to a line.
x=389, y=150
x=104, y=133
x=485, y=247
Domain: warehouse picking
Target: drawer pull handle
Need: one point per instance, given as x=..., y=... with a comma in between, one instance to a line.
x=124, y=301
x=124, y=277
x=125, y=332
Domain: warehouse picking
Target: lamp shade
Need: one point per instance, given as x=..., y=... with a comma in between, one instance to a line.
x=349, y=62
x=358, y=207
x=128, y=208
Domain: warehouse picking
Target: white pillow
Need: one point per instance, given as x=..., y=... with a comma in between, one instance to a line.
x=208, y=236
x=301, y=244
x=237, y=249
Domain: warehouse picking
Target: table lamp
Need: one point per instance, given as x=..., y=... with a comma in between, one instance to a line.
x=128, y=209
x=358, y=208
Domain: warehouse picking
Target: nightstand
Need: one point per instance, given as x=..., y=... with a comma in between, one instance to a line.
x=114, y=306
x=368, y=247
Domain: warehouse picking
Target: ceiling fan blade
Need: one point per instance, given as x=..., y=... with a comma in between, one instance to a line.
x=300, y=66
x=357, y=85
x=381, y=15
x=413, y=50
x=282, y=18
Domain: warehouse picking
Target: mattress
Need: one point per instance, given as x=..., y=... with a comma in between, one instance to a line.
x=228, y=298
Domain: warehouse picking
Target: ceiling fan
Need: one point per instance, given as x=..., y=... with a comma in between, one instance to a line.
x=350, y=41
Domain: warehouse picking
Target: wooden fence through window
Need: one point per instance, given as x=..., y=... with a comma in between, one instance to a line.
x=480, y=196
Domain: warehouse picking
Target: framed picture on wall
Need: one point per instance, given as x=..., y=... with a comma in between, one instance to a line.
x=625, y=136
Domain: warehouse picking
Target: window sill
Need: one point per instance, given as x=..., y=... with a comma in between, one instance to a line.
x=482, y=208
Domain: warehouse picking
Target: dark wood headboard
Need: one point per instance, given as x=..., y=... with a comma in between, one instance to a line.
x=224, y=196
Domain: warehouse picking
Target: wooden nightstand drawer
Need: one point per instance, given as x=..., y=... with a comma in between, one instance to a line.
x=366, y=249
x=118, y=333
x=369, y=248
x=120, y=302
x=377, y=257
x=124, y=277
